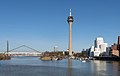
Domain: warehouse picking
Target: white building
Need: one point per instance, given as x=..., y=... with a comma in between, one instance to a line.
x=96, y=53
x=103, y=47
x=98, y=42
x=91, y=50
x=99, y=47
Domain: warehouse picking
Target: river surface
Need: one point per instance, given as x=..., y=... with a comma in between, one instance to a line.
x=32, y=66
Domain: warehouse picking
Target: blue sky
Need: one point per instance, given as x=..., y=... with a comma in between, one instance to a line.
x=42, y=24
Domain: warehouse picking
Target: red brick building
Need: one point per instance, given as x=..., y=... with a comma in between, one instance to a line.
x=116, y=48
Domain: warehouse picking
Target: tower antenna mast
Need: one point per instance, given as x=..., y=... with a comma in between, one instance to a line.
x=70, y=12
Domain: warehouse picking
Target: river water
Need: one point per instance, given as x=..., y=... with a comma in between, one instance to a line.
x=32, y=66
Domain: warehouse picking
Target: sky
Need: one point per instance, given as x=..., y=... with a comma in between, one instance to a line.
x=42, y=24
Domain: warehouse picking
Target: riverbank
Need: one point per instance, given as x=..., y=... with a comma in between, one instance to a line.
x=4, y=57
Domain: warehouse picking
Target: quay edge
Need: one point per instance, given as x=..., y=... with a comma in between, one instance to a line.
x=108, y=58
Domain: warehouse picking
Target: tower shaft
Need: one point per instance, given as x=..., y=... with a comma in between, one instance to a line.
x=70, y=38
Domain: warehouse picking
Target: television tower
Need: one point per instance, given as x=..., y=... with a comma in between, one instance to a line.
x=70, y=21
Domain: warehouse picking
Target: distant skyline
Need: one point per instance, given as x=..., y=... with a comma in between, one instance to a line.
x=42, y=24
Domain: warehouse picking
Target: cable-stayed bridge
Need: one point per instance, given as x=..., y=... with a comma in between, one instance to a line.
x=20, y=52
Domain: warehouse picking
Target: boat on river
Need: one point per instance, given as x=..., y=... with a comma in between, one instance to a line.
x=83, y=61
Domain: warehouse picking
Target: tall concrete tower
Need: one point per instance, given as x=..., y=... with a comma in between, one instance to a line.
x=70, y=21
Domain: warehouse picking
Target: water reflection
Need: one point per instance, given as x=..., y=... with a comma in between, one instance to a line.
x=100, y=67
x=116, y=67
x=69, y=67
x=106, y=68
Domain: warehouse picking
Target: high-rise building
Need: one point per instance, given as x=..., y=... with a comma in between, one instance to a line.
x=70, y=21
